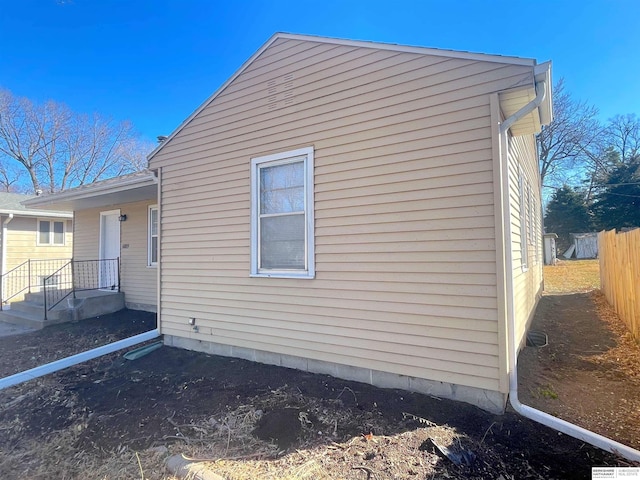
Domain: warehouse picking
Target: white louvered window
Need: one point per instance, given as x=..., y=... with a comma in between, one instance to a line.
x=282, y=215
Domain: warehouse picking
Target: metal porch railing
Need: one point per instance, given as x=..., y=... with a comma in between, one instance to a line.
x=80, y=276
x=28, y=277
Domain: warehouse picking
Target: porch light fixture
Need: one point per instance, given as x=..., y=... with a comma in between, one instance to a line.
x=122, y=218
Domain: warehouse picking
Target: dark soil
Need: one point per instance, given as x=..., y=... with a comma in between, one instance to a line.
x=177, y=397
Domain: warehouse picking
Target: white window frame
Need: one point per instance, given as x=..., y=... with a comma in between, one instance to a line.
x=150, y=262
x=51, y=223
x=292, y=156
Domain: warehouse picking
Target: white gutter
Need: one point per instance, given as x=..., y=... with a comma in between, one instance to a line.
x=525, y=410
x=112, y=185
x=76, y=359
x=38, y=213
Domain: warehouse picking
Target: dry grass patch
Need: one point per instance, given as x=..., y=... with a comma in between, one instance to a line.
x=57, y=457
x=572, y=276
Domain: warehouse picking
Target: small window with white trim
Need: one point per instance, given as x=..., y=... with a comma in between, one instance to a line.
x=282, y=243
x=51, y=232
x=153, y=236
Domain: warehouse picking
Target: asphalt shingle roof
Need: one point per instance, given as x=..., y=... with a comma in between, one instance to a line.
x=12, y=202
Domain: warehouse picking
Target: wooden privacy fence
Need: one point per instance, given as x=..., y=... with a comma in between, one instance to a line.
x=620, y=275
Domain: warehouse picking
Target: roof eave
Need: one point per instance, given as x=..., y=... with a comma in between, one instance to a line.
x=89, y=192
x=542, y=73
x=438, y=52
x=36, y=213
x=512, y=100
x=72, y=196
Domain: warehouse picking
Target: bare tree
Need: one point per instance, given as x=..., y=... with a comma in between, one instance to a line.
x=20, y=135
x=60, y=149
x=567, y=142
x=623, y=135
x=619, y=144
x=10, y=179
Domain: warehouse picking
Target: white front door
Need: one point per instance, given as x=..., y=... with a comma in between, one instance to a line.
x=109, y=249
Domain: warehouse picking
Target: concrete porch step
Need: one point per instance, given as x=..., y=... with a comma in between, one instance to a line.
x=15, y=317
x=37, y=298
x=36, y=310
x=30, y=312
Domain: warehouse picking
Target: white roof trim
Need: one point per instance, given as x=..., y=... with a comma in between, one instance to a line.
x=36, y=213
x=93, y=190
x=351, y=43
x=440, y=52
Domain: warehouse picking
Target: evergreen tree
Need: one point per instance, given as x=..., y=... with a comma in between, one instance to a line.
x=567, y=213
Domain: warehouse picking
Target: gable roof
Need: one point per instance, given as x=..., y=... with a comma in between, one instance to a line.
x=352, y=43
x=123, y=189
x=11, y=203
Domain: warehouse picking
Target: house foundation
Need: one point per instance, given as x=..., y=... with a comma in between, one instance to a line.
x=491, y=401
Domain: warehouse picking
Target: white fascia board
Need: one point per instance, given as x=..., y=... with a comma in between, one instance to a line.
x=91, y=191
x=37, y=213
x=351, y=43
x=484, y=57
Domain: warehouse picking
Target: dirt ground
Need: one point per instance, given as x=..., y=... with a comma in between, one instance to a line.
x=112, y=418
x=589, y=374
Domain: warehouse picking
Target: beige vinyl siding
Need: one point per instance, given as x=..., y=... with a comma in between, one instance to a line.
x=86, y=233
x=404, y=231
x=527, y=282
x=22, y=241
x=138, y=281
x=22, y=245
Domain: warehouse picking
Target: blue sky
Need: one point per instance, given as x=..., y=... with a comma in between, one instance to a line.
x=154, y=62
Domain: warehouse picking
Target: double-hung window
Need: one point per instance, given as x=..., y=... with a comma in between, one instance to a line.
x=282, y=215
x=152, y=250
x=50, y=232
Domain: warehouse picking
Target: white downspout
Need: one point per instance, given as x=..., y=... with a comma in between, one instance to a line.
x=525, y=410
x=3, y=260
x=159, y=263
x=75, y=359
x=5, y=225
